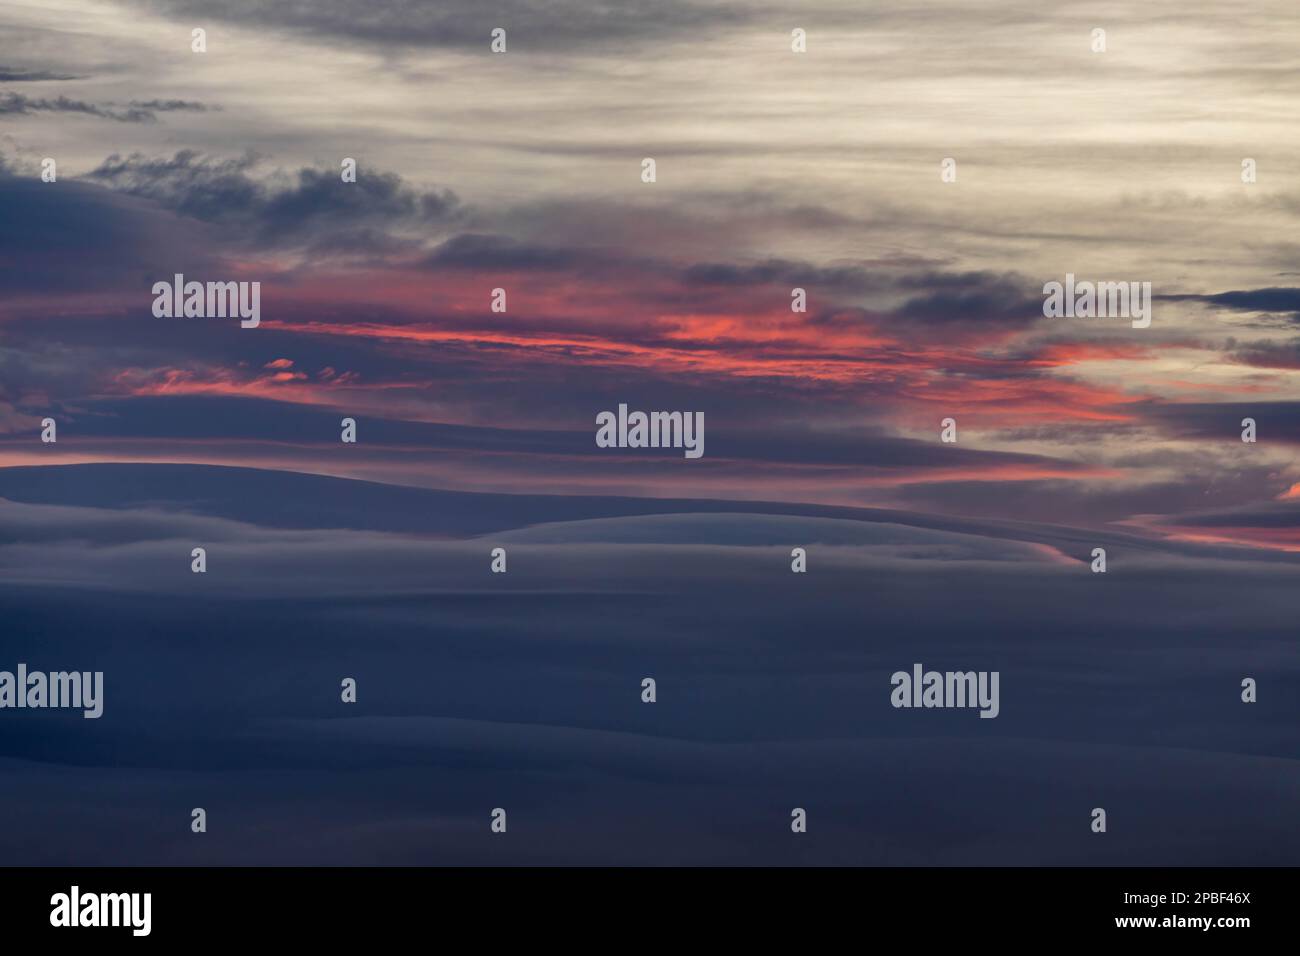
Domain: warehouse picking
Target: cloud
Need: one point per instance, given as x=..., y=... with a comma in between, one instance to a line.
x=1265, y=354
x=980, y=298
x=306, y=205
x=1272, y=514
x=319, y=530
x=1275, y=420
x=232, y=414
x=171, y=106
x=476, y=251
x=115, y=241
x=18, y=104
x=1276, y=299
x=13, y=75
x=552, y=25
x=1099, y=502
x=785, y=272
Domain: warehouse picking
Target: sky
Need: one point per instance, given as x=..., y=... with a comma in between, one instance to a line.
x=775, y=170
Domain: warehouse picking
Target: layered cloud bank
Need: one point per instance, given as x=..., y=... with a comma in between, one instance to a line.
x=522, y=689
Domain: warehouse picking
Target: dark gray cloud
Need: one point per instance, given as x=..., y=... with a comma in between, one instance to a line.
x=170, y=106
x=310, y=204
x=1094, y=503
x=1267, y=354
x=1268, y=514
x=1278, y=299
x=225, y=418
x=850, y=278
x=979, y=298
x=918, y=296
x=13, y=75
x=530, y=24
x=137, y=111
x=72, y=236
x=1275, y=421
x=18, y=104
